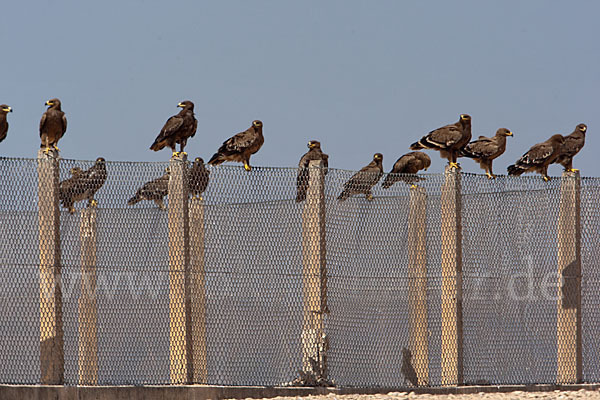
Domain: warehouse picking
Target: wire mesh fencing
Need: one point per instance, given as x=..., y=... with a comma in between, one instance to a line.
x=457, y=280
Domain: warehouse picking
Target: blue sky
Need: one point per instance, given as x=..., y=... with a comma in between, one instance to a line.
x=360, y=76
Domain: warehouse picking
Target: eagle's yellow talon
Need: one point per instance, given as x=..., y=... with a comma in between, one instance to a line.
x=546, y=179
x=454, y=165
x=247, y=167
x=490, y=176
x=370, y=197
x=93, y=203
x=413, y=186
x=573, y=170
x=56, y=148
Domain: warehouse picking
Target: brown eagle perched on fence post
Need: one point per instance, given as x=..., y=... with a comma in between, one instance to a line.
x=405, y=169
x=538, y=157
x=4, y=109
x=448, y=140
x=198, y=177
x=363, y=181
x=572, y=145
x=154, y=190
x=53, y=125
x=484, y=150
x=302, y=180
x=177, y=130
x=83, y=185
x=241, y=146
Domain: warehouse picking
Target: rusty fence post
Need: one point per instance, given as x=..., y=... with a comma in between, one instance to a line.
x=52, y=365
x=452, y=323
x=180, y=336
x=88, y=312
x=568, y=321
x=417, y=283
x=198, y=290
x=314, y=281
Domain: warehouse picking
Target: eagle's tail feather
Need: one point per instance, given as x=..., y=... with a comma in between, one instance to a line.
x=216, y=159
x=417, y=145
x=515, y=170
x=133, y=200
x=344, y=195
x=388, y=182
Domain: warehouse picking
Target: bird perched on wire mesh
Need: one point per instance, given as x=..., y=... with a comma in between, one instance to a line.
x=4, y=109
x=448, y=140
x=68, y=190
x=484, y=150
x=198, y=177
x=177, y=130
x=302, y=180
x=53, y=125
x=83, y=185
x=406, y=167
x=572, y=145
x=363, y=181
x=155, y=190
x=538, y=157
x=407, y=368
x=241, y=146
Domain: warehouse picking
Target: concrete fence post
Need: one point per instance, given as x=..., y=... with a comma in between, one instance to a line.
x=417, y=283
x=180, y=338
x=198, y=280
x=52, y=365
x=314, y=340
x=88, y=312
x=568, y=321
x=452, y=323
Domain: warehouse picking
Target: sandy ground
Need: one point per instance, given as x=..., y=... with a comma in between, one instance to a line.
x=580, y=394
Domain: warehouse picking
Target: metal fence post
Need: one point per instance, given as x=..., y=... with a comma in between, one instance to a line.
x=417, y=289
x=568, y=321
x=198, y=288
x=314, y=282
x=52, y=365
x=452, y=326
x=88, y=312
x=181, y=355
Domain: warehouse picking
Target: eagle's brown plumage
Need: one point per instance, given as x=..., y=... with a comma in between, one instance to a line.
x=538, y=157
x=302, y=180
x=198, y=177
x=178, y=129
x=53, y=125
x=484, y=150
x=82, y=185
x=572, y=145
x=155, y=190
x=4, y=109
x=363, y=181
x=448, y=140
x=241, y=146
x=406, y=167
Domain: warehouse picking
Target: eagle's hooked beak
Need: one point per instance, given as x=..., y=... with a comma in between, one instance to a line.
x=180, y=105
x=7, y=109
x=509, y=133
x=311, y=145
x=49, y=103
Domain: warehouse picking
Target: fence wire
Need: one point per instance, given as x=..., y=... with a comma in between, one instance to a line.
x=247, y=280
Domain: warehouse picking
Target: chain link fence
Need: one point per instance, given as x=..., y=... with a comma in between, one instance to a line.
x=249, y=287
